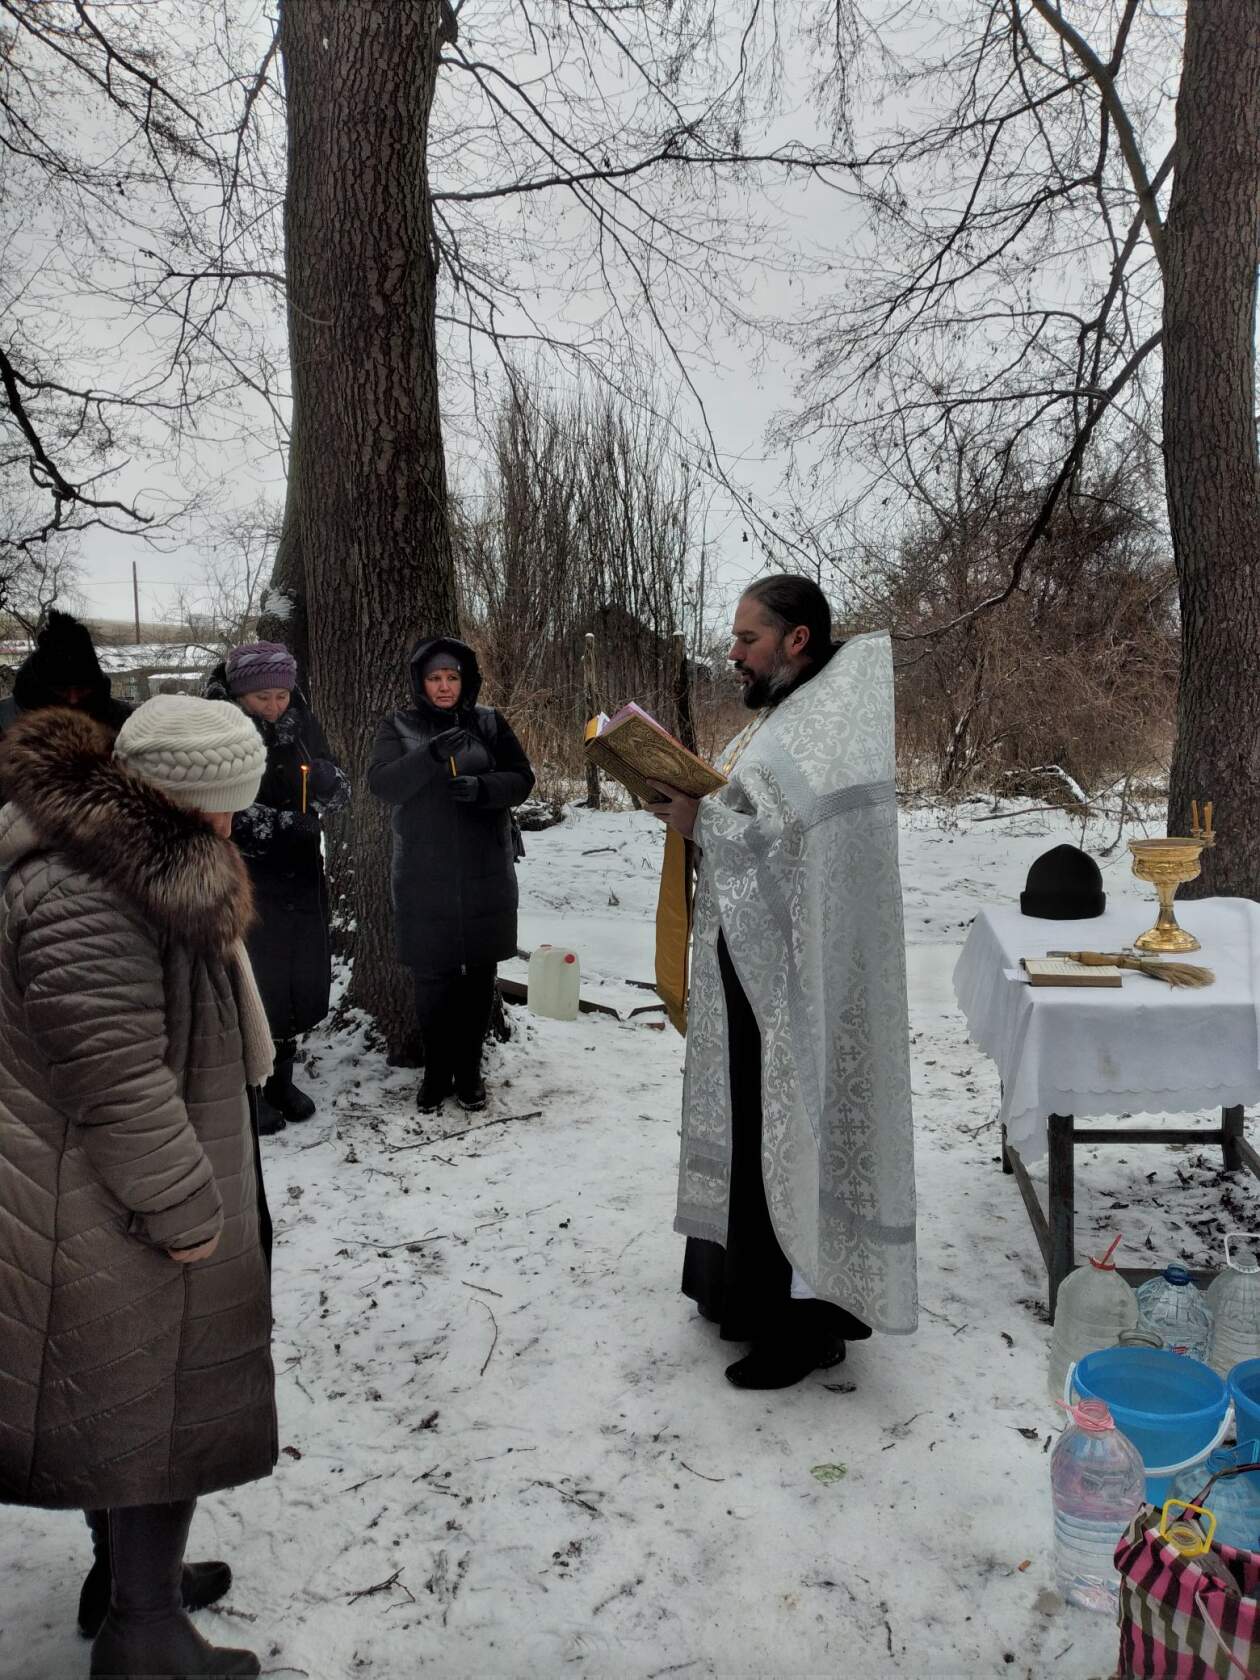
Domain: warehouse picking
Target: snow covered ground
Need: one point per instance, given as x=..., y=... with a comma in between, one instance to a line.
x=508, y=1446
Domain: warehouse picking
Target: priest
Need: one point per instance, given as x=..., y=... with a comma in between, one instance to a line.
x=796, y=1185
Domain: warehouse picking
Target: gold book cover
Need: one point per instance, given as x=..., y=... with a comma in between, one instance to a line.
x=638, y=752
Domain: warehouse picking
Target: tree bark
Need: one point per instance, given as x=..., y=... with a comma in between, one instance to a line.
x=366, y=517
x=1210, y=457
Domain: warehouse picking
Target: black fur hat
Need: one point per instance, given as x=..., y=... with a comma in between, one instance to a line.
x=1064, y=885
x=63, y=657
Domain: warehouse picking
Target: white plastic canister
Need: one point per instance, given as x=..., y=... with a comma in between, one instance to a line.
x=555, y=980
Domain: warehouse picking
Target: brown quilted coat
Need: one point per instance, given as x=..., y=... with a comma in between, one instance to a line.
x=126, y=1378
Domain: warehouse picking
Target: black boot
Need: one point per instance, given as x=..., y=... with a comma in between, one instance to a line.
x=280, y=1091
x=200, y=1583
x=270, y=1119
x=476, y=998
x=435, y=1087
x=145, y=1635
x=807, y=1338
x=437, y=1032
x=470, y=1094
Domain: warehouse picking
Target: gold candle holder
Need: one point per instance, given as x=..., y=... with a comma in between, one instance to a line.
x=1167, y=863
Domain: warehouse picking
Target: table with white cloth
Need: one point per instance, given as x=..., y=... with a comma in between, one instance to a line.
x=1143, y=1047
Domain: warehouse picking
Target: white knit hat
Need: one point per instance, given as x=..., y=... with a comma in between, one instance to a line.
x=205, y=754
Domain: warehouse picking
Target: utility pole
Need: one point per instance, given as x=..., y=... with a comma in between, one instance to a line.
x=135, y=598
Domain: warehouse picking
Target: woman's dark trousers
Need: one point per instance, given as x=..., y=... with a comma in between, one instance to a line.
x=453, y=1014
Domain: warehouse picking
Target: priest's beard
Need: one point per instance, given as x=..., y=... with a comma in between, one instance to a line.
x=769, y=689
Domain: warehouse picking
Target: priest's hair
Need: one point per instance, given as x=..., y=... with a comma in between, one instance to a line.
x=789, y=600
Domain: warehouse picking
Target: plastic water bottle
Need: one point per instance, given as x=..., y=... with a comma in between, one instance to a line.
x=1095, y=1304
x=1097, y=1486
x=1172, y=1307
x=1235, y=1502
x=1234, y=1303
x=1137, y=1337
x=555, y=980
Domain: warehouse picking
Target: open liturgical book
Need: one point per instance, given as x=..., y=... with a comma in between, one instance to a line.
x=638, y=752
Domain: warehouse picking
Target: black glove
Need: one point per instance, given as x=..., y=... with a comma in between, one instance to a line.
x=466, y=789
x=448, y=743
x=321, y=780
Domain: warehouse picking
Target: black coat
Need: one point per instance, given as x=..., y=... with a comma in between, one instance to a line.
x=289, y=945
x=454, y=878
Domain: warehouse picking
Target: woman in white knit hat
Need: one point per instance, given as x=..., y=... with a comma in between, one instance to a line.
x=135, y=1363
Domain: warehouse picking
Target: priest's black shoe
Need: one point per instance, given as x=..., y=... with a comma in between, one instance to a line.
x=433, y=1092
x=471, y=1097
x=201, y=1584
x=780, y=1363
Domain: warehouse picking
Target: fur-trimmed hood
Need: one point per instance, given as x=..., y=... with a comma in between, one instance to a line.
x=66, y=794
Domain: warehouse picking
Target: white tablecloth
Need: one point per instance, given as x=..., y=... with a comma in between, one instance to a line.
x=1144, y=1048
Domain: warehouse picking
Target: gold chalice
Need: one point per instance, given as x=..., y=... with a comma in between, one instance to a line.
x=1166, y=864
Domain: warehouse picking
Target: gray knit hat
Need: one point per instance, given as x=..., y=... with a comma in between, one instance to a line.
x=445, y=659
x=258, y=665
x=204, y=754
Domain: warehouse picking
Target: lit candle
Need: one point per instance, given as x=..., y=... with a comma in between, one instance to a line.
x=306, y=770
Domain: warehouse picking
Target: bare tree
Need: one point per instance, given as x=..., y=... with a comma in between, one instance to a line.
x=221, y=607
x=587, y=520
x=415, y=154
x=1046, y=248
x=366, y=527
x=1075, y=670
x=122, y=165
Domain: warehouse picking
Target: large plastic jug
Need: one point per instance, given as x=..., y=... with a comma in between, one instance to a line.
x=1172, y=1306
x=1097, y=1487
x=1234, y=1303
x=555, y=981
x=1234, y=1501
x=1095, y=1304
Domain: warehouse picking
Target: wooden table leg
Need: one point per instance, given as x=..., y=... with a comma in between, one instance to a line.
x=1231, y=1132
x=1062, y=1209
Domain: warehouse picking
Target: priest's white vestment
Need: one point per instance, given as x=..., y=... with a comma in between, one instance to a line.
x=798, y=869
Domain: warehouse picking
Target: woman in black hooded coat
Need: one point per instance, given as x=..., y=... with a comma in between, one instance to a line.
x=451, y=770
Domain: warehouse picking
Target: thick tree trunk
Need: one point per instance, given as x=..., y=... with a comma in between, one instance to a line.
x=1210, y=457
x=283, y=608
x=367, y=511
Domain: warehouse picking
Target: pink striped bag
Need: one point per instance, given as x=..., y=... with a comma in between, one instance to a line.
x=1176, y=1621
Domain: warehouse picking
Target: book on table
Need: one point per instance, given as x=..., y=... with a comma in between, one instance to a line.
x=638, y=752
x=1062, y=971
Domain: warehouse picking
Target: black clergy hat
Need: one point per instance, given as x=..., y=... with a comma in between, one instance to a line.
x=1063, y=885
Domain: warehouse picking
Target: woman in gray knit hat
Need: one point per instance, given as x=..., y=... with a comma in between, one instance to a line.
x=135, y=1361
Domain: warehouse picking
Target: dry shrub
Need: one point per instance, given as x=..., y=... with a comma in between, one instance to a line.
x=1078, y=669
x=587, y=522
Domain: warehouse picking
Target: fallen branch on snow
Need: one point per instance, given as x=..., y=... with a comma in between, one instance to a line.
x=449, y=1137
x=383, y=1586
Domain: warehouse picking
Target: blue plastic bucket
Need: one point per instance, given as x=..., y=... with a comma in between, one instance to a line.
x=1244, y=1391
x=1172, y=1407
